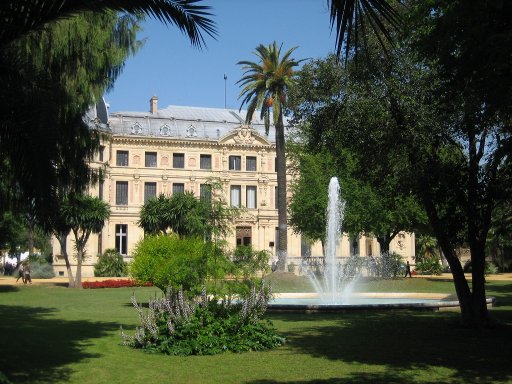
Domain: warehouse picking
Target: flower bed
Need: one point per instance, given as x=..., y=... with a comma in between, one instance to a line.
x=120, y=283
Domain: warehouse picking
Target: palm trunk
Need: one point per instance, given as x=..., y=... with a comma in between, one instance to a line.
x=64, y=252
x=281, y=196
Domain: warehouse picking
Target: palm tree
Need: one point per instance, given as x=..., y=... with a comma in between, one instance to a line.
x=265, y=87
x=84, y=214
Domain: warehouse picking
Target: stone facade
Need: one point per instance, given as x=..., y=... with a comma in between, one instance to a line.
x=178, y=149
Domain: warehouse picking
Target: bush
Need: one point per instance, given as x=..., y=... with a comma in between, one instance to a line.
x=389, y=265
x=39, y=267
x=429, y=266
x=168, y=261
x=177, y=326
x=111, y=264
x=41, y=271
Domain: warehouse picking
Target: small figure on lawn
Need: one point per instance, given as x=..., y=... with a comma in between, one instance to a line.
x=408, y=269
x=21, y=275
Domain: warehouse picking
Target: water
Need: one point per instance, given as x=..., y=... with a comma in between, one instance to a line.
x=334, y=278
x=335, y=281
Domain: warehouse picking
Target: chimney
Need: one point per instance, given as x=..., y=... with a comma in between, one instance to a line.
x=153, y=105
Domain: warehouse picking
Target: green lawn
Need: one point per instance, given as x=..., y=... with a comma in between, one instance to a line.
x=57, y=335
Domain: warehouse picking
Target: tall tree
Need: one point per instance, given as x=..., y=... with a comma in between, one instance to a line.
x=265, y=87
x=58, y=58
x=423, y=117
x=85, y=215
x=328, y=109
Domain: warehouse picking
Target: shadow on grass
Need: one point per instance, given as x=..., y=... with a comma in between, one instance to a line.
x=404, y=342
x=395, y=377
x=37, y=347
x=8, y=288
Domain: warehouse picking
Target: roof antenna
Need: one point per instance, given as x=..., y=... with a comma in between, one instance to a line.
x=225, y=78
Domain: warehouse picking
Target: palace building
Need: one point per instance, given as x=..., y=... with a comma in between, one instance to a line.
x=178, y=149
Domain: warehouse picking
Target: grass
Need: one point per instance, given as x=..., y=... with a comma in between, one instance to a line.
x=56, y=335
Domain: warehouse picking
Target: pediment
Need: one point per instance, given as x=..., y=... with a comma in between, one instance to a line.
x=244, y=135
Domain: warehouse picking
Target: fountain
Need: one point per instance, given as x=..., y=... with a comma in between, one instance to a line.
x=334, y=281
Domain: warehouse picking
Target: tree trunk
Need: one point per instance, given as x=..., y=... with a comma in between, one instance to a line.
x=384, y=244
x=64, y=252
x=78, y=276
x=281, y=196
x=480, y=315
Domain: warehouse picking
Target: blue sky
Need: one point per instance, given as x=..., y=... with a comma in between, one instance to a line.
x=169, y=67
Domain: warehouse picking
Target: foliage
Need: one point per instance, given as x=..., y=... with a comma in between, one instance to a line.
x=111, y=264
x=175, y=325
x=429, y=266
x=41, y=271
x=119, y=283
x=40, y=268
x=169, y=261
x=185, y=215
x=308, y=202
x=84, y=214
x=369, y=168
x=355, y=19
x=266, y=84
x=249, y=261
x=58, y=59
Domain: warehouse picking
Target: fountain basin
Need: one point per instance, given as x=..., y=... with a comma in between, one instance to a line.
x=312, y=302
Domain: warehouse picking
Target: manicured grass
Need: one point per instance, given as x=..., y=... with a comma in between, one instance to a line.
x=57, y=335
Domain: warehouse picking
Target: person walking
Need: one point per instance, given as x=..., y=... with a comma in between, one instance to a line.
x=20, y=272
x=26, y=271
x=408, y=269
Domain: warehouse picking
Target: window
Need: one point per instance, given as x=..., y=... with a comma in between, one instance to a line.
x=149, y=191
x=275, y=198
x=305, y=247
x=235, y=163
x=178, y=160
x=178, y=188
x=250, y=165
x=243, y=236
x=150, y=159
x=205, y=162
x=122, y=239
x=122, y=158
x=102, y=149
x=100, y=190
x=121, y=193
x=205, y=192
x=354, y=246
x=100, y=244
x=251, y=197
x=236, y=192
x=275, y=164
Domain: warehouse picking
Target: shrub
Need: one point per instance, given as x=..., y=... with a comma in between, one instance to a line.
x=178, y=326
x=41, y=271
x=389, y=265
x=111, y=264
x=39, y=267
x=429, y=266
x=168, y=261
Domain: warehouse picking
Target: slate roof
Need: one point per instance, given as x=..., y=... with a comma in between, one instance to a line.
x=180, y=122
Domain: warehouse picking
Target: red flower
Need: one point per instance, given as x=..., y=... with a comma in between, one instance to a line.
x=121, y=283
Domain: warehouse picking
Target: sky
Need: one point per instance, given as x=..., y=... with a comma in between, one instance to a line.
x=169, y=67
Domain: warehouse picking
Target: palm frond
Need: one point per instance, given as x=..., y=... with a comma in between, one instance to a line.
x=20, y=17
x=347, y=16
